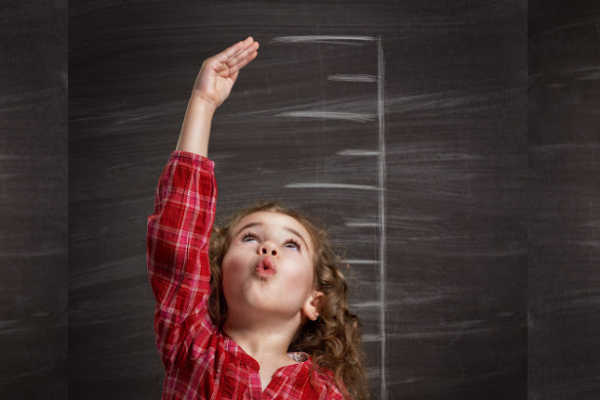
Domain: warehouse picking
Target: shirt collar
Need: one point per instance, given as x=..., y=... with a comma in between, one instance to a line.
x=230, y=344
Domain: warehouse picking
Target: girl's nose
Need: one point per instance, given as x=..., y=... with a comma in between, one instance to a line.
x=267, y=248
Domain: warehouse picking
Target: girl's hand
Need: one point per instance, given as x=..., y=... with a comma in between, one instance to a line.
x=219, y=72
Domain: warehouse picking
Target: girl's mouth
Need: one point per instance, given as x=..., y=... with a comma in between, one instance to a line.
x=266, y=267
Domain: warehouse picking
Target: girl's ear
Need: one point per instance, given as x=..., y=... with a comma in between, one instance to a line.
x=312, y=307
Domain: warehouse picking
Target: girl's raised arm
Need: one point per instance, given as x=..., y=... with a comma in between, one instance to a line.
x=211, y=87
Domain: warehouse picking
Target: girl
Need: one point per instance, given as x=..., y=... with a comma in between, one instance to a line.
x=255, y=309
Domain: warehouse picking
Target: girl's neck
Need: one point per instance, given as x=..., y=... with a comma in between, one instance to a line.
x=268, y=345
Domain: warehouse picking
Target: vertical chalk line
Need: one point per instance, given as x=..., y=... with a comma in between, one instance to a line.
x=380, y=116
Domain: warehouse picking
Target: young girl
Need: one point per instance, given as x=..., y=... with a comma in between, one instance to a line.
x=257, y=308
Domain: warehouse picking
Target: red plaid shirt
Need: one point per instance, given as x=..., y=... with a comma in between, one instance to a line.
x=202, y=362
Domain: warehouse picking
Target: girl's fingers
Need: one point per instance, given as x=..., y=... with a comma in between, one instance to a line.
x=232, y=50
x=241, y=65
x=238, y=61
x=231, y=56
x=242, y=55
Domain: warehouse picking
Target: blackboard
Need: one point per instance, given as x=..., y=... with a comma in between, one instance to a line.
x=450, y=147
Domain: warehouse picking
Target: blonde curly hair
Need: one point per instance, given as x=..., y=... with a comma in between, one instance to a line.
x=334, y=339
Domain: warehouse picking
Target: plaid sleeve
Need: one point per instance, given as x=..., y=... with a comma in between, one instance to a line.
x=177, y=246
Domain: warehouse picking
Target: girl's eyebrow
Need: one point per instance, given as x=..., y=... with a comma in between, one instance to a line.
x=251, y=224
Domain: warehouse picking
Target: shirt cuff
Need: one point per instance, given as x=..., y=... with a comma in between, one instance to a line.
x=195, y=159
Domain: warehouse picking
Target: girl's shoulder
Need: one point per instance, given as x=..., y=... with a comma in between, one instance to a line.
x=327, y=381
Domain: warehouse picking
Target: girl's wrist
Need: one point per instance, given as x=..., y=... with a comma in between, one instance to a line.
x=201, y=104
x=195, y=129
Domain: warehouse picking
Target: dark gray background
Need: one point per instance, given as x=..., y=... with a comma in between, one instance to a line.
x=474, y=270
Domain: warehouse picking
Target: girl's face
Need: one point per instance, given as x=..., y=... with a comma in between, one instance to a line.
x=284, y=243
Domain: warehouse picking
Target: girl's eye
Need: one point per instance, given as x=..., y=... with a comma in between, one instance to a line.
x=253, y=235
x=249, y=234
x=293, y=242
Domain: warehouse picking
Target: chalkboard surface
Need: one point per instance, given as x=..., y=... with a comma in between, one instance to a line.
x=564, y=154
x=33, y=200
x=451, y=148
x=401, y=126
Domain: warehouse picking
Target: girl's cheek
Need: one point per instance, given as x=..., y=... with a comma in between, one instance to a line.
x=298, y=275
x=235, y=260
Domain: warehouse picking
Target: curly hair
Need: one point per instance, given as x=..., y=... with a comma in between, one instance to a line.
x=334, y=339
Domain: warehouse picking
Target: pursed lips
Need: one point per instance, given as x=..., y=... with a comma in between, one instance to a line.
x=266, y=267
